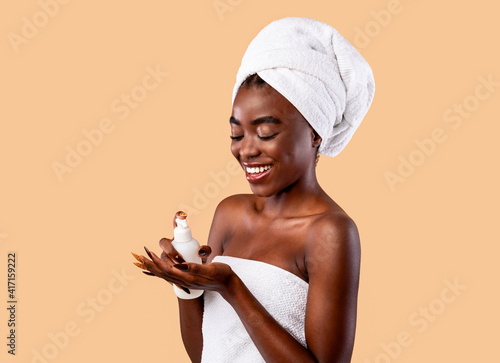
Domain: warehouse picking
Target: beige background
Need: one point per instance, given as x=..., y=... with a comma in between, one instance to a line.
x=74, y=234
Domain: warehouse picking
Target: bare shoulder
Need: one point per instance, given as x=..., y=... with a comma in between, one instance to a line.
x=334, y=225
x=228, y=211
x=333, y=238
x=234, y=204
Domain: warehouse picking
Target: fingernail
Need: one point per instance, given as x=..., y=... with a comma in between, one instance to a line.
x=179, y=258
x=148, y=273
x=149, y=253
x=181, y=266
x=186, y=290
x=138, y=264
x=204, y=251
x=137, y=257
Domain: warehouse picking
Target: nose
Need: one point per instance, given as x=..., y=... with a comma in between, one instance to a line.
x=248, y=148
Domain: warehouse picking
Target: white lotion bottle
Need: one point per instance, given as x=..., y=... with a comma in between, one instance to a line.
x=187, y=246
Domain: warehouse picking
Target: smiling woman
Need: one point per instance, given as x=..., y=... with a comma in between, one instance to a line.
x=281, y=267
x=263, y=124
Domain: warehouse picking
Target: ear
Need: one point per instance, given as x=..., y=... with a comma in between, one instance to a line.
x=316, y=139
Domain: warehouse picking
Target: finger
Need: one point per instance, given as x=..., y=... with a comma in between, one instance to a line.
x=204, y=252
x=137, y=257
x=162, y=265
x=152, y=274
x=182, y=266
x=185, y=289
x=157, y=267
x=163, y=268
x=165, y=271
x=148, y=252
x=140, y=265
x=170, y=251
x=179, y=214
x=151, y=266
x=156, y=260
x=196, y=269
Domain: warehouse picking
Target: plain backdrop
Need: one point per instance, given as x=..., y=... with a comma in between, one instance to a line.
x=114, y=115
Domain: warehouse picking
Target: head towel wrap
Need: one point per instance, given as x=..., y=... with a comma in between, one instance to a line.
x=318, y=71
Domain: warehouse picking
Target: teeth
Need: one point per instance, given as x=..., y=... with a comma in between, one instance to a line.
x=258, y=169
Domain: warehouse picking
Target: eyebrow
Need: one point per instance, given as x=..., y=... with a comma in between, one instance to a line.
x=258, y=121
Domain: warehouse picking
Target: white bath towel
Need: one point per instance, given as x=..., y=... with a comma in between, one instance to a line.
x=318, y=71
x=283, y=295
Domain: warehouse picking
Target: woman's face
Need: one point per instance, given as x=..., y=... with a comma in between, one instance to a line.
x=272, y=141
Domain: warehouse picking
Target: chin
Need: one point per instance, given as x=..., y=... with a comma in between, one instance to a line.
x=262, y=190
x=267, y=189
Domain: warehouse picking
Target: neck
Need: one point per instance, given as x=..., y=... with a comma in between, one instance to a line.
x=298, y=199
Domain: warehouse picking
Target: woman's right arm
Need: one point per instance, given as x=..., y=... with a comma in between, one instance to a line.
x=191, y=311
x=191, y=317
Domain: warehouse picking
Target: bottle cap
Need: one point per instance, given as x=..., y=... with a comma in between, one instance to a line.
x=182, y=233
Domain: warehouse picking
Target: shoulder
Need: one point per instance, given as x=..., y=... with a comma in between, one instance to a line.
x=234, y=205
x=333, y=225
x=333, y=238
x=228, y=211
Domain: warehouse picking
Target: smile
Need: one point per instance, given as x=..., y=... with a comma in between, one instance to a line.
x=258, y=172
x=257, y=169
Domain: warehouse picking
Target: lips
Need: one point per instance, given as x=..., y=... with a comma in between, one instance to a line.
x=256, y=172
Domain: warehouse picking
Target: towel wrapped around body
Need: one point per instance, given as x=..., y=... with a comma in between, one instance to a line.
x=283, y=295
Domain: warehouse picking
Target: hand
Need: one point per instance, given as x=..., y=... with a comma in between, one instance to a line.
x=173, y=257
x=172, y=268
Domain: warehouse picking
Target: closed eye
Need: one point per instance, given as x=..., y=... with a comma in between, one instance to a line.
x=263, y=138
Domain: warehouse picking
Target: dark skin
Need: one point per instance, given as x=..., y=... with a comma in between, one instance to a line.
x=289, y=222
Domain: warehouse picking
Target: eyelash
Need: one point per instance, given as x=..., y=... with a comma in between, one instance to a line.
x=263, y=138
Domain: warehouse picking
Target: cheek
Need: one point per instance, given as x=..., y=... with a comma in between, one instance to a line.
x=234, y=149
x=296, y=157
x=290, y=149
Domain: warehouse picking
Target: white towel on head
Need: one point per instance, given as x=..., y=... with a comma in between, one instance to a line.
x=318, y=71
x=281, y=293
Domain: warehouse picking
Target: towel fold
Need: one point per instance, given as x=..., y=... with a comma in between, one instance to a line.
x=283, y=295
x=318, y=71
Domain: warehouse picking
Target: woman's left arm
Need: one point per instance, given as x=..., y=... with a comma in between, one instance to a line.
x=333, y=264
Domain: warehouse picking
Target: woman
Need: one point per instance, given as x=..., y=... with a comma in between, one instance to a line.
x=281, y=270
